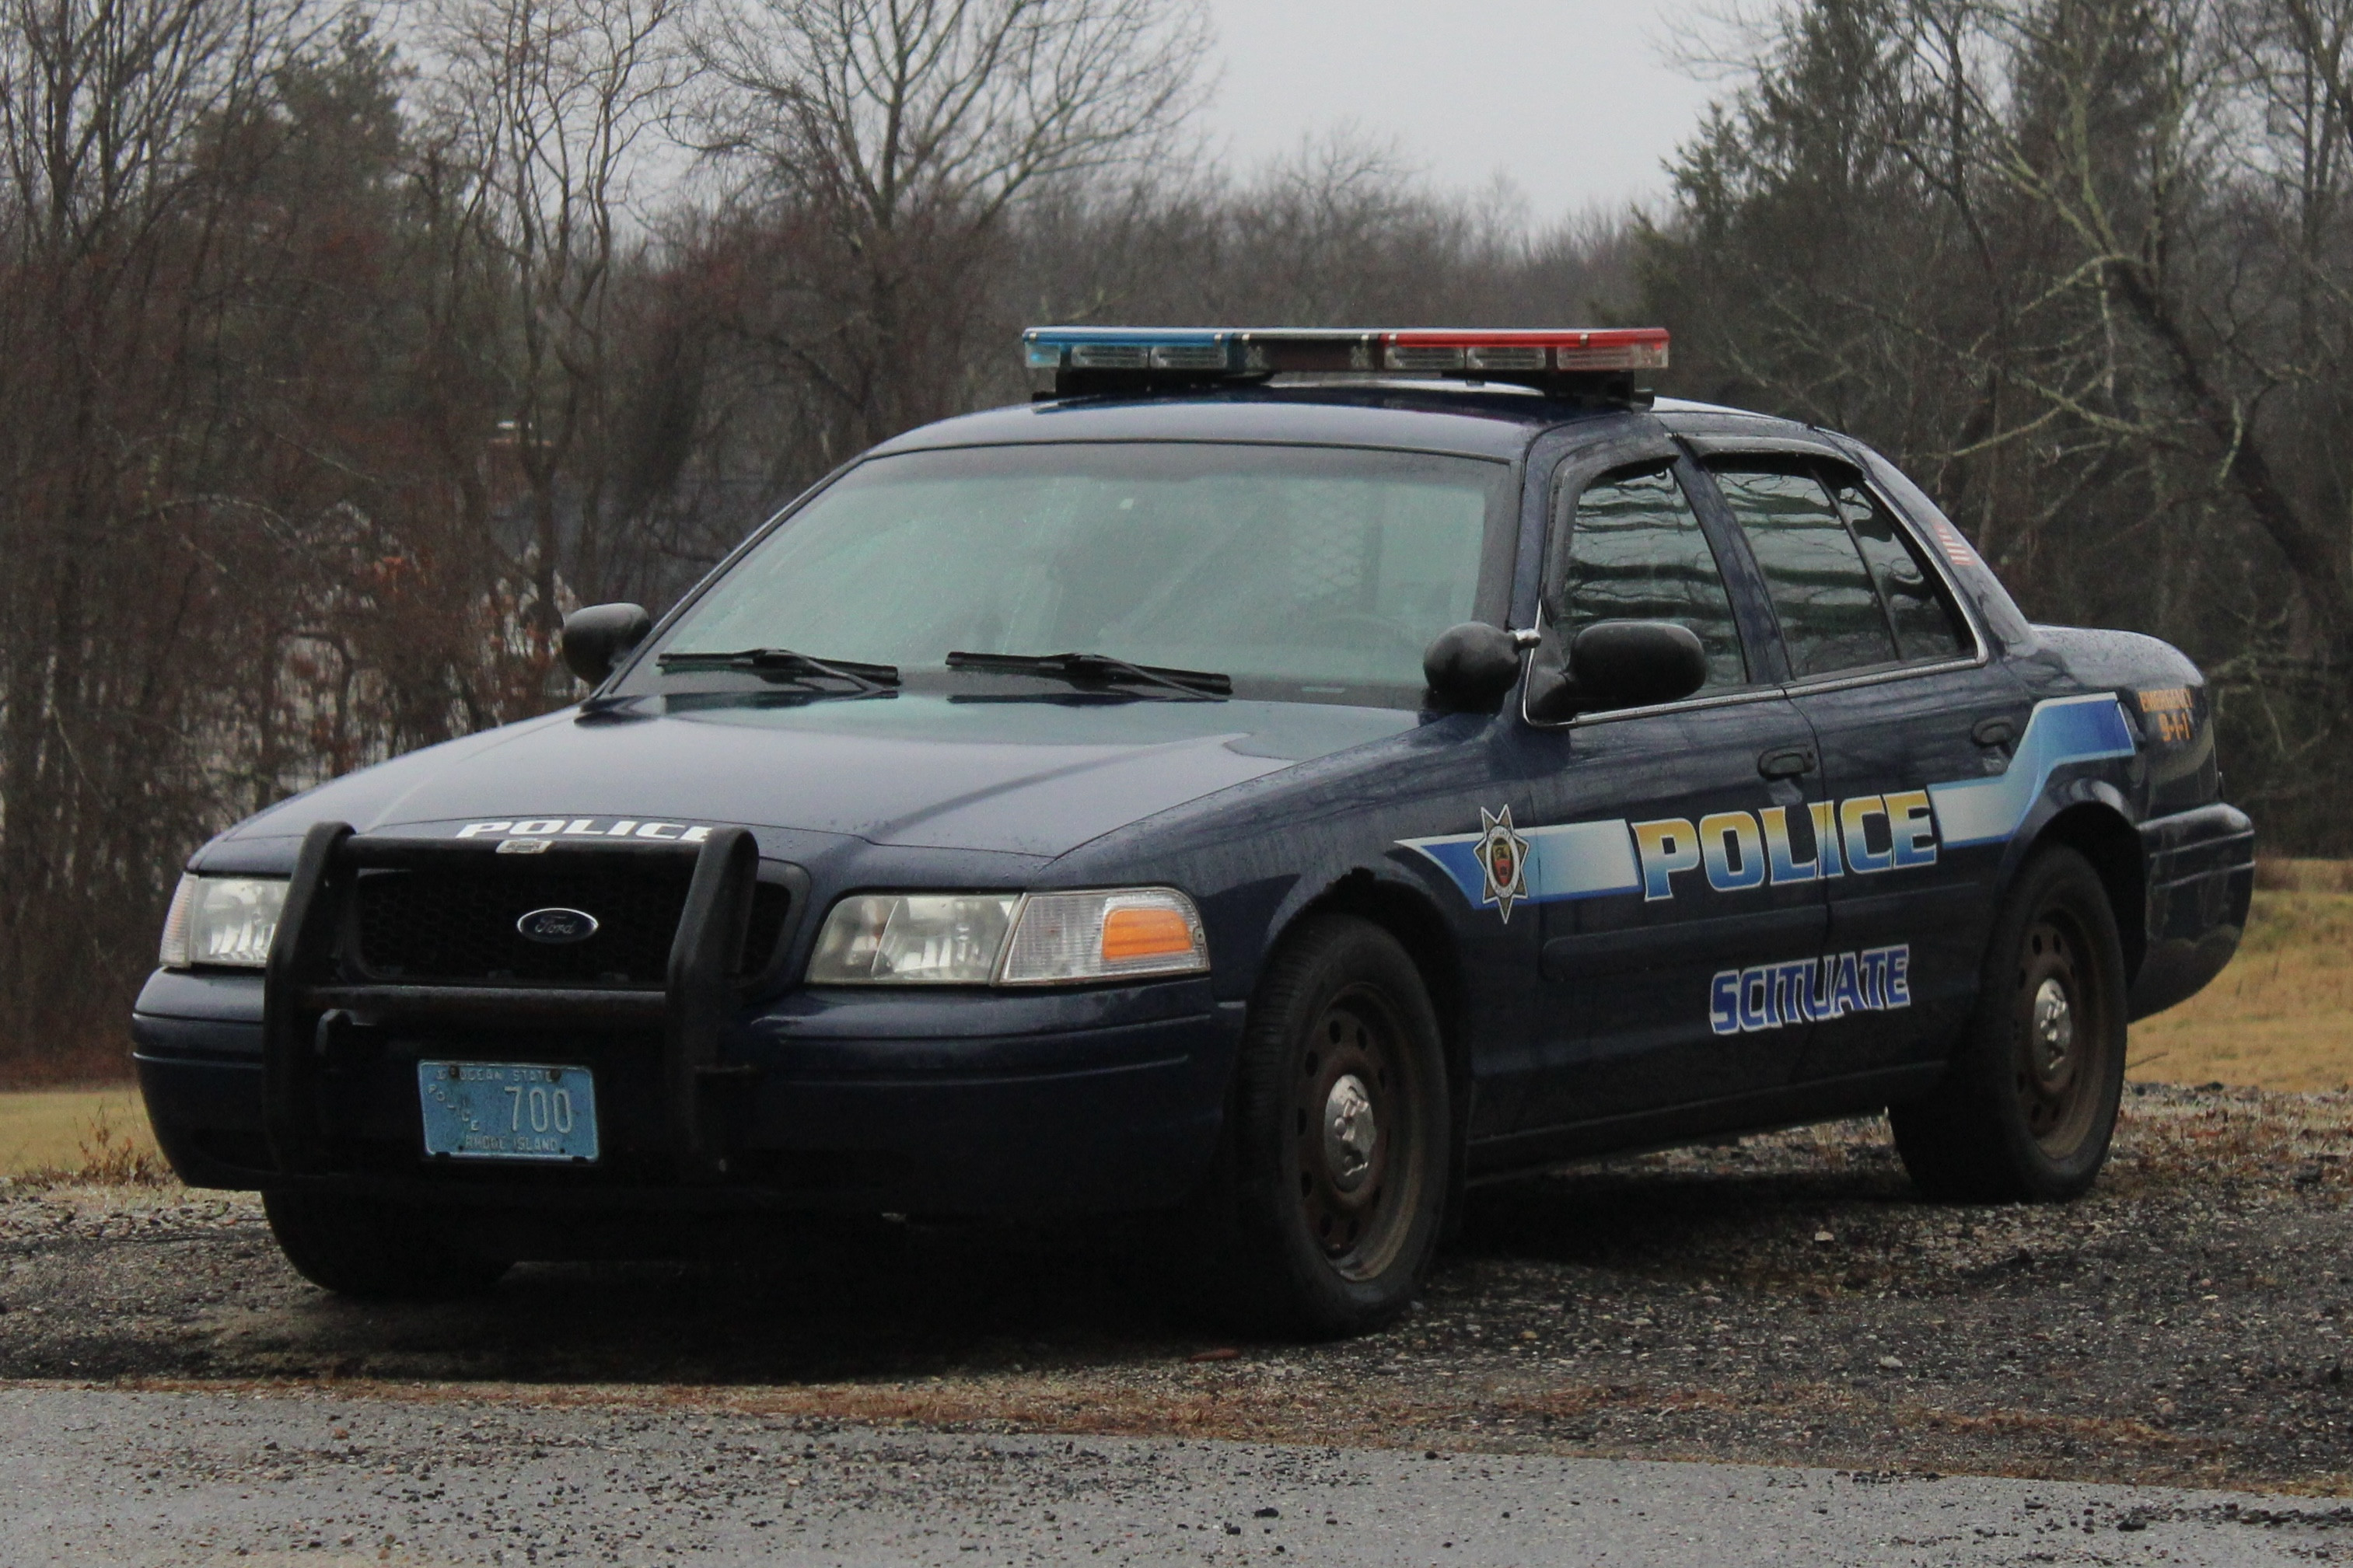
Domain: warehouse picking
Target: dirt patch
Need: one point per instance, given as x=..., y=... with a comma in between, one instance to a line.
x=1782, y=1297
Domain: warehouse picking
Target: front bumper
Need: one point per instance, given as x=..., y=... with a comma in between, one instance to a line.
x=973, y=1102
x=970, y=1104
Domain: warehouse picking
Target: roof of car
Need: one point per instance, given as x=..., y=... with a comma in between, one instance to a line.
x=1713, y=420
x=1480, y=422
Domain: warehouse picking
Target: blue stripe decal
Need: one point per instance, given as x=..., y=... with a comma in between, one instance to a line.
x=2063, y=730
x=1502, y=865
x=1570, y=860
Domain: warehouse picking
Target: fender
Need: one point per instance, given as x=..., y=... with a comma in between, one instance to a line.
x=1364, y=887
x=2098, y=754
x=2054, y=803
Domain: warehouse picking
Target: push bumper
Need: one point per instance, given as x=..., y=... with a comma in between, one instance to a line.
x=965, y=1103
x=2201, y=877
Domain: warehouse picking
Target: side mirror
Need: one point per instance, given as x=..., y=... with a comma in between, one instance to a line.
x=596, y=637
x=1470, y=667
x=1622, y=664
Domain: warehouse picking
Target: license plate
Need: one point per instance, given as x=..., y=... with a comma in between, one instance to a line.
x=507, y=1110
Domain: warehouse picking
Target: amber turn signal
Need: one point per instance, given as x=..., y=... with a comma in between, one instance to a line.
x=1145, y=932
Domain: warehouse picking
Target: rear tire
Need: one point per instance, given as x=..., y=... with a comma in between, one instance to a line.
x=1331, y=1192
x=374, y=1250
x=2030, y=1105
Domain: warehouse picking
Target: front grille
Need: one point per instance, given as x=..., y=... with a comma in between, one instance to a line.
x=458, y=923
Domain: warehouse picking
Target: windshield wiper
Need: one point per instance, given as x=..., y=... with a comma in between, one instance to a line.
x=1098, y=669
x=783, y=664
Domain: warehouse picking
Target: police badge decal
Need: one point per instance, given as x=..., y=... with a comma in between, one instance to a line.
x=1503, y=861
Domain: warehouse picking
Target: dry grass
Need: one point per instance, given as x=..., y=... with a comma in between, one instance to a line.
x=100, y=1135
x=2286, y=875
x=2281, y=1015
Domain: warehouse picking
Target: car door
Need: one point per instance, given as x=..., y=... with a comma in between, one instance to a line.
x=1891, y=674
x=1673, y=925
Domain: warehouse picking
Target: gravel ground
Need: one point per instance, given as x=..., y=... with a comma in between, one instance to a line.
x=1784, y=1300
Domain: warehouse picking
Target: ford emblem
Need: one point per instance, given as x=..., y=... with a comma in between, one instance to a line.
x=557, y=927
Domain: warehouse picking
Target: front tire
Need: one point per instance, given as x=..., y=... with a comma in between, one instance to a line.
x=1332, y=1182
x=374, y=1250
x=2030, y=1105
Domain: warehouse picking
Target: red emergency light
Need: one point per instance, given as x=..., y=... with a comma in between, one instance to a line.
x=1440, y=350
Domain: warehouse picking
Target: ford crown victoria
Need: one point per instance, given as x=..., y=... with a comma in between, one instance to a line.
x=1268, y=783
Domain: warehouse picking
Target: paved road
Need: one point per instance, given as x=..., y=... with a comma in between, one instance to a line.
x=99, y=1475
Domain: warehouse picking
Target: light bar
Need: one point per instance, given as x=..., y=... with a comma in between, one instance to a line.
x=1066, y=361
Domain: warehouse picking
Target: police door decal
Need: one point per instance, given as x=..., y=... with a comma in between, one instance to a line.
x=1731, y=851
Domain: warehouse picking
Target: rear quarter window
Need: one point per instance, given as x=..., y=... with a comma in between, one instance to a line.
x=1926, y=624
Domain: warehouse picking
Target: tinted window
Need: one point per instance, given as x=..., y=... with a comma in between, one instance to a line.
x=1830, y=615
x=1313, y=573
x=1926, y=626
x=1637, y=553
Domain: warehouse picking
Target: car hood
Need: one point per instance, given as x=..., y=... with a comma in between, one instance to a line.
x=1033, y=777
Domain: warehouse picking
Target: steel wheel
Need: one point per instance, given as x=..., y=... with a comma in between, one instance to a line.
x=1353, y=1133
x=2029, y=1101
x=2058, y=1075
x=1330, y=1185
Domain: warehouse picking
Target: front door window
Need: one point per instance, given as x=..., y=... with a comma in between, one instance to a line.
x=1636, y=552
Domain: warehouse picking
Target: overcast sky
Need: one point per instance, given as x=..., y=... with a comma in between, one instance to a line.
x=1571, y=100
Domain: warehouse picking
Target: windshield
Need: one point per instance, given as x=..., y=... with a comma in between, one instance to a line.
x=1304, y=574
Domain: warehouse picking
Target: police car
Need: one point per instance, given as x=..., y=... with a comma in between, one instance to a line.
x=1269, y=783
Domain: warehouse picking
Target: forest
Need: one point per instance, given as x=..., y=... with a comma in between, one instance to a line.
x=344, y=350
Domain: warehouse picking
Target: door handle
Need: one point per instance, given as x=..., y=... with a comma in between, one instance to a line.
x=1785, y=761
x=1991, y=733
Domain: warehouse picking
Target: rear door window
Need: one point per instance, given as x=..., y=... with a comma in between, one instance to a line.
x=1636, y=552
x=1831, y=619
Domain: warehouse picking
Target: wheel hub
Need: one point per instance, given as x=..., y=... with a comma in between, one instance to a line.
x=2052, y=1032
x=1352, y=1121
x=1351, y=1133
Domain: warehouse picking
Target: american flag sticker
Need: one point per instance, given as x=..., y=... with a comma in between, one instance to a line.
x=1957, y=549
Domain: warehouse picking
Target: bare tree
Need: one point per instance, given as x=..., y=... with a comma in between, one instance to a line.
x=2127, y=106
x=887, y=140
x=543, y=105
x=2094, y=286
x=110, y=225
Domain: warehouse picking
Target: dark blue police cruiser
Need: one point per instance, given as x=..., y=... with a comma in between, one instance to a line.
x=1274, y=780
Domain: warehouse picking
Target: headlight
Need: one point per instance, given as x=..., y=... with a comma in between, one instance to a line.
x=1034, y=939
x=226, y=921
x=912, y=938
